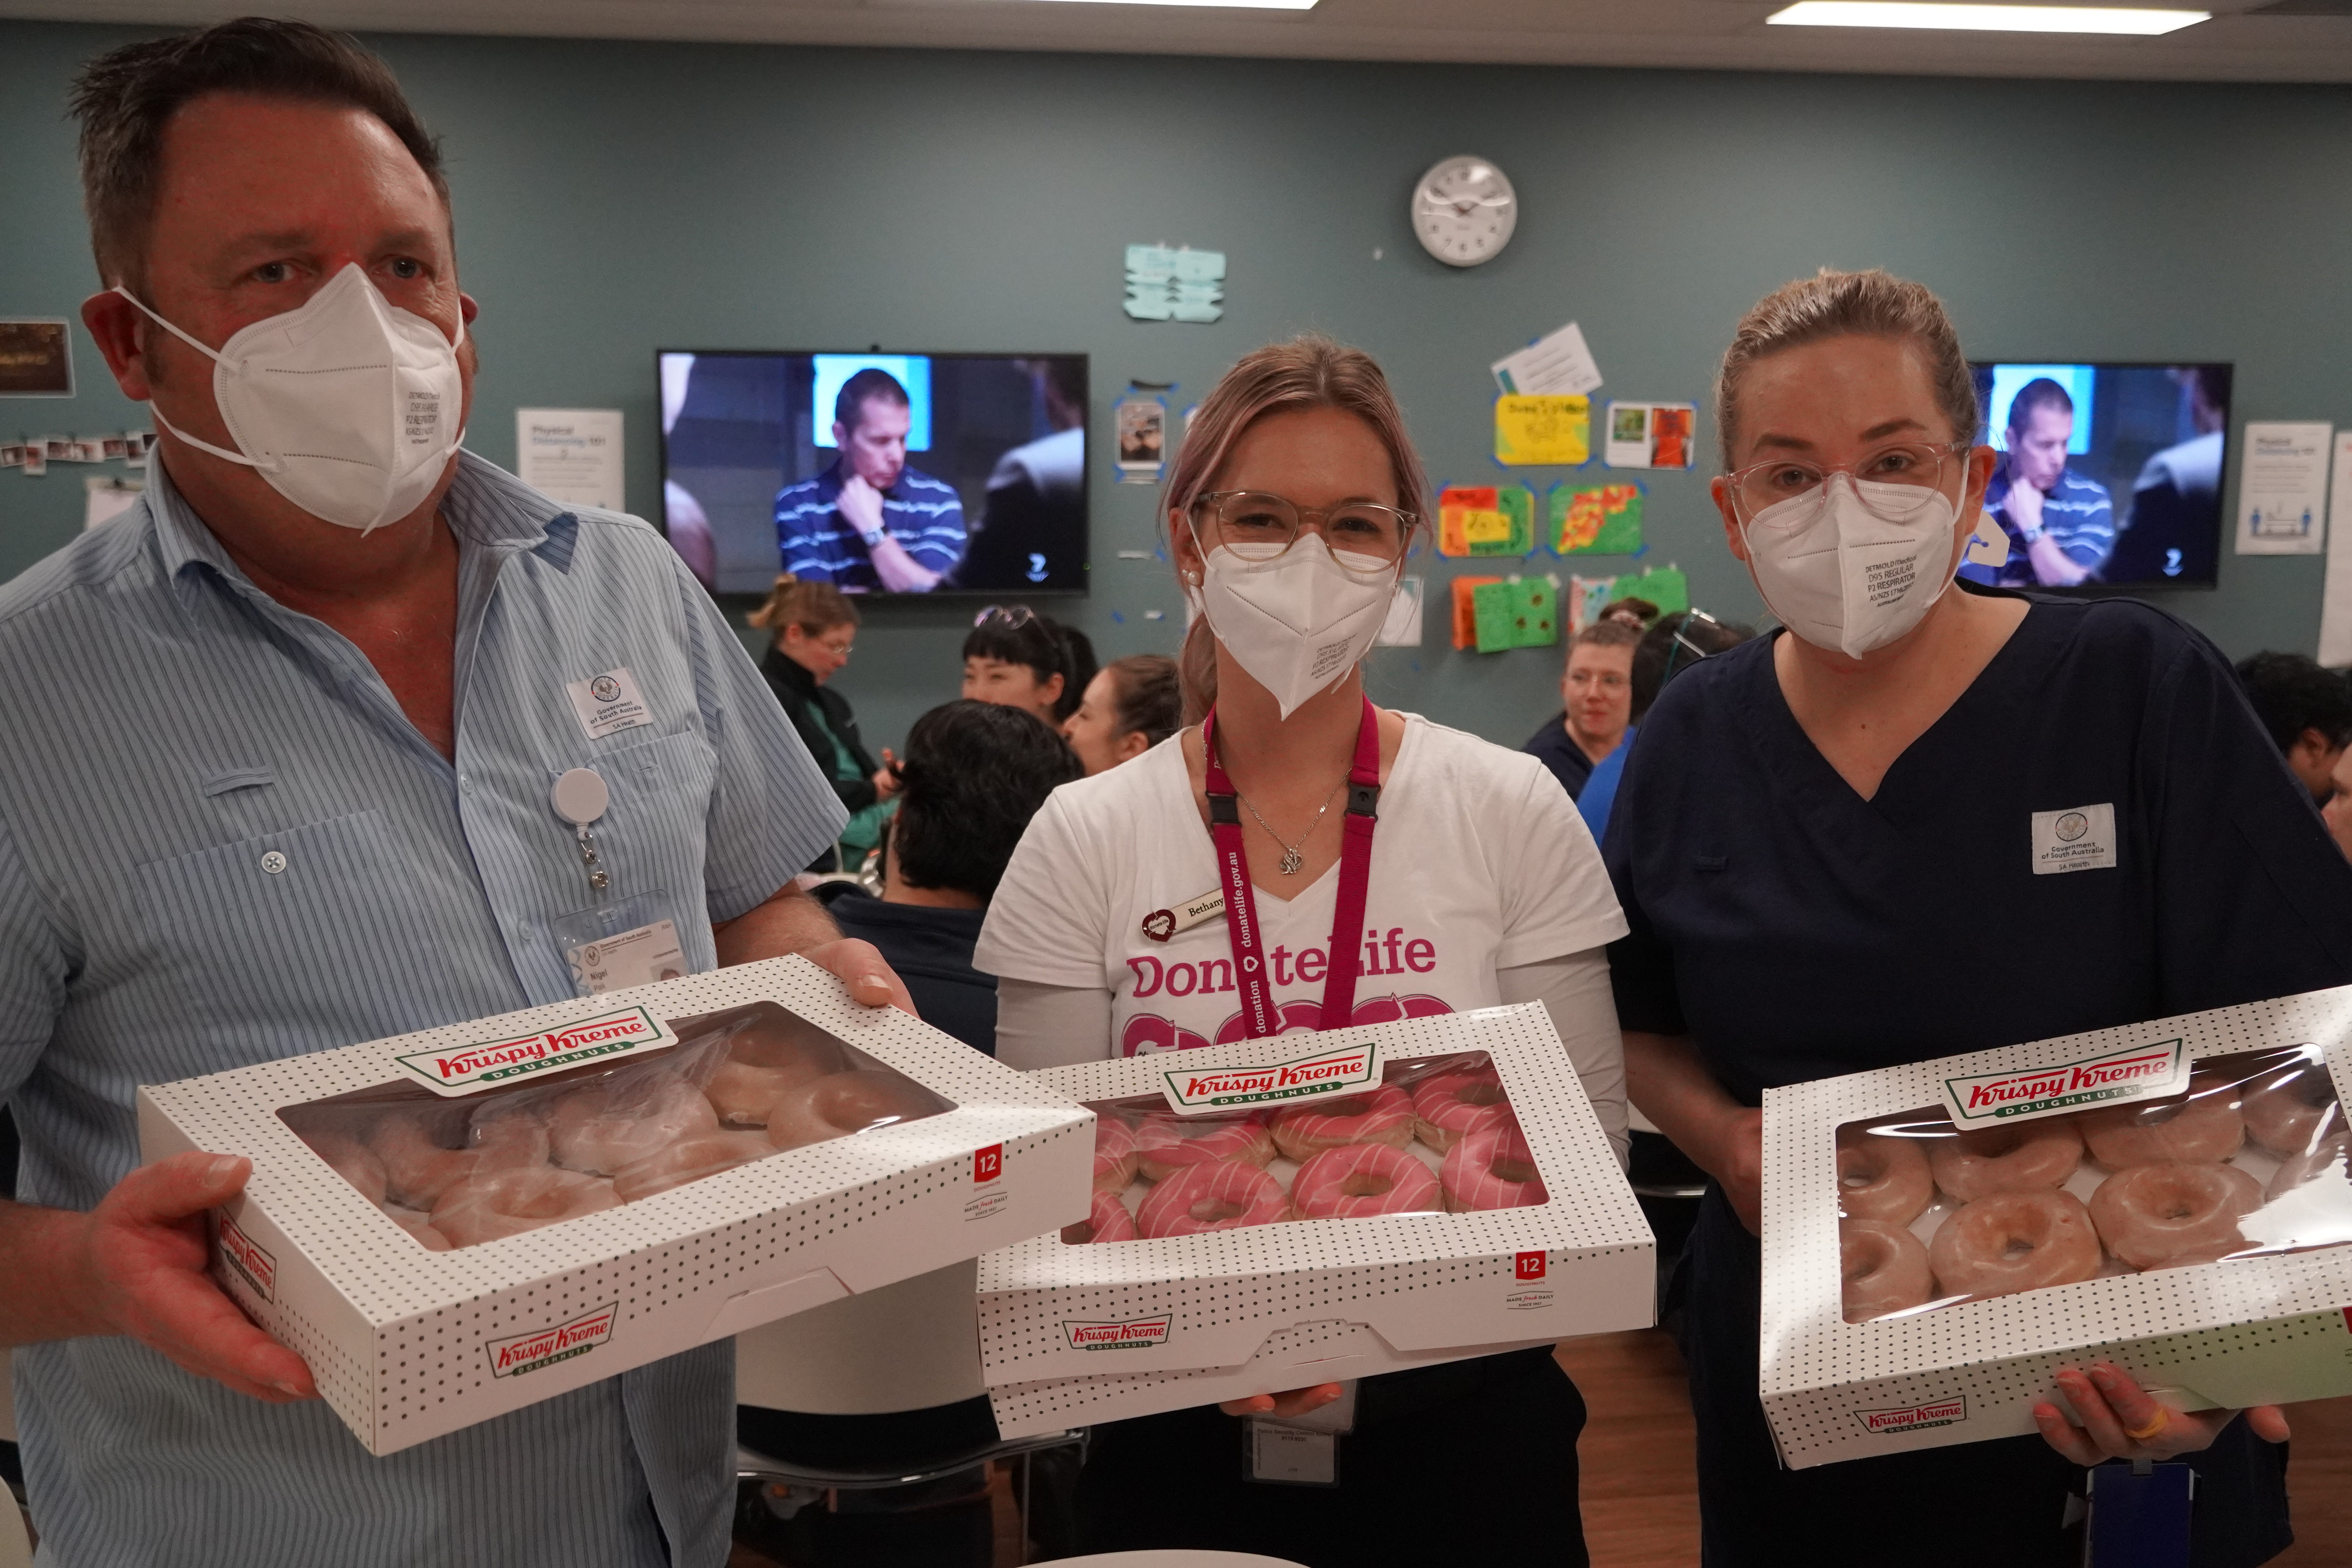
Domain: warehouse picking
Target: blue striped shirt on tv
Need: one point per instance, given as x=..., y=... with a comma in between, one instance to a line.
x=817, y=545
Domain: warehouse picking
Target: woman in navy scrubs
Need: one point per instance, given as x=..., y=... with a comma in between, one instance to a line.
x=1827, y=845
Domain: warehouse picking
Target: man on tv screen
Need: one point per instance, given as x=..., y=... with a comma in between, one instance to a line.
x=871, y=521
x=2060, y=524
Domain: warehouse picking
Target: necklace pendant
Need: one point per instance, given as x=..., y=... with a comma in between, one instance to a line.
x=1291, y=861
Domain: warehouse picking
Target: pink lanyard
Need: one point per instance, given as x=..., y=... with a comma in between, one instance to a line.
x=1355, y=870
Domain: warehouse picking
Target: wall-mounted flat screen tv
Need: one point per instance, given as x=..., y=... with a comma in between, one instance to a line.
x=2109, y=474
x=879, y=473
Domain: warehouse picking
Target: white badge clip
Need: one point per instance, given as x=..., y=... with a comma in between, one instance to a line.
x=581, y=798
x=612, y=944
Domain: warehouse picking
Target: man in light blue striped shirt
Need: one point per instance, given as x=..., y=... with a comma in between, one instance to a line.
x=871, y=521
x=278, y=785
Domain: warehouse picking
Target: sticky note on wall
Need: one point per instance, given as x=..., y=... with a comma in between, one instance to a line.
x=1543, y=430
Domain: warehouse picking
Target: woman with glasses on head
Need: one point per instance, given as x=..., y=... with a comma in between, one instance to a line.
x=1289, y=513
x=1827, y=842
x=1015, y=658
x=814, y=626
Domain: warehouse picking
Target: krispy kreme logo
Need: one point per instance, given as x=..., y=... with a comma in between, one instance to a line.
x=1913, y=1417
x=465, y=1070
x=1191, y=1090
x=248, y=1258
x=531, y=1352
x=2138, y=1072
x=1141, y=1333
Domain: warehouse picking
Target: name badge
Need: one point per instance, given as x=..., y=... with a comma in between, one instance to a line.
x=1161, y=924
x=2080, y=838
x=609, y=702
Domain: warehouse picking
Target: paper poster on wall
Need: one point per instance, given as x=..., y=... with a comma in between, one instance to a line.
x=1543, y=431
x=36, y=356
x=1176, y=283
x=1465, y=609
x=1140, y=423
x=1649, y=435
x=1486, y=520
x=1595, y=520
x=1585, y=599
x=2282, y=488
x=572, y=455
x=1664, y=586
x=1403, y=628
x=106, y=497
x=1517, y=612
x=2336, y=600
x=12, y=454
x=1559, y=364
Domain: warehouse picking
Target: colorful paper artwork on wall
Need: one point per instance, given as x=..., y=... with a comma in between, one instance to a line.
x=1519, y=612
x=1665, y=586
x=1650, y=436
x=1543, y=431
x=1486, y=520
x=1465, y=609
x=1174, y=284
x=1596, y=520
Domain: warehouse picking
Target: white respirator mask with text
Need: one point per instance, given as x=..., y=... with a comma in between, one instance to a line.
x=1297, y=620
x=1848, y=578
x=348, y=405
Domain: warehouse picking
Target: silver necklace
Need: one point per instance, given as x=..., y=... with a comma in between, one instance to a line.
x=1291, y=859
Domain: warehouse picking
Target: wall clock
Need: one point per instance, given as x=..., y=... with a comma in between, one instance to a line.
x=1463, y=210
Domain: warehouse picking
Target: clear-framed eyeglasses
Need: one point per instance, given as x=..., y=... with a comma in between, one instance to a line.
x=1894, y=483
x=1259, y=526
x=1683, y=644
x=1012, y=617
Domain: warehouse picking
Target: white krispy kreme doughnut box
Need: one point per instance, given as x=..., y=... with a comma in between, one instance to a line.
x=408, y=1343
x=1075, y=1331
x=2198, y=1238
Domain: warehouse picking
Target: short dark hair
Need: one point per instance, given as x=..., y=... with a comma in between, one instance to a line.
x=2291, y=693
x=126, y=97
x=866, y=387
x=1014, y=634
x=974, y=775
x=2039, y=393
x=1605, y=634
x=1660, y=655
x=1147, y=697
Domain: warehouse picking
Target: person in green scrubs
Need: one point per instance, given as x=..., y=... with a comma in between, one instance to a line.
x=814, y=626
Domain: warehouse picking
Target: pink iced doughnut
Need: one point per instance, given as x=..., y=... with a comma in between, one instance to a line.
x=1107, y=1221
x=1167, y=1143
x=1884, y=1269
x=494, y=1204
x=690, y=1159
x=841, y=1103
x=2013, y=1241
x=418, y=1167
x=1115, y=1155
x=1491, y=1170
x=1972, y=1165
x=1225, y=1196
x=2204, y=1128
x=1882, y=1178
x=417, y=1224
x=2160, y=1216
x=1448, y=1104
x=604, y=1128
x=351, y=1160
x=1382, y=1114
x=1357, y=1179
x=762, y=1066
x=2292, y=1110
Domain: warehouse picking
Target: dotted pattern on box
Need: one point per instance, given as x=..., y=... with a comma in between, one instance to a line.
x=1819, y=1370
x=1279, y=1275
x=430, y=1314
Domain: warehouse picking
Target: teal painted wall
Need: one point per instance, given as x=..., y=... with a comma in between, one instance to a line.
x=616, y=197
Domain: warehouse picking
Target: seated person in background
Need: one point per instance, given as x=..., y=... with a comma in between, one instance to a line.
x=1019, y=658
x=974, y=775
x=2169, y=529
x=2060, y=524
x=2308, y=711
x=814, y=626
x=1597, y=694
x=1634, y=612
x=870, y=520
x=1032, y=527
x=1132, y=705
x=1666, y=649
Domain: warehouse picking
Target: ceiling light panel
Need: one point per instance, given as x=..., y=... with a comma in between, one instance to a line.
x=1985, y=18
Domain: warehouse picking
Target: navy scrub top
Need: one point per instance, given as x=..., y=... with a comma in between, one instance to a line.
x=1796, y=930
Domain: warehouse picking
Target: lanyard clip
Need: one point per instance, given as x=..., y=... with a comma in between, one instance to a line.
x=579, y=797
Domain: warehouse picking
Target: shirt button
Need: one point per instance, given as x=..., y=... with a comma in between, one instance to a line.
x=273, y=862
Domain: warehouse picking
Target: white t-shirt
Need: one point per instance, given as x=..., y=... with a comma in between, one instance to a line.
x=1480, y=862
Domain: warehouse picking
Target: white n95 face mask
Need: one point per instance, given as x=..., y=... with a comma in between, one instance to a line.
x=349, y=407
x=1850, y=579
x=1297, y=621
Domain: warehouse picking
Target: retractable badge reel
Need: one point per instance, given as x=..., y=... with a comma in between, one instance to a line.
x=614, y=942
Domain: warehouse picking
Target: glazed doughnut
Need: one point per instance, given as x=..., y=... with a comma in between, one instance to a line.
x=1223, y=1195
x=1884, y=1269
x=418, y=1167
x=1491, y=1170
x=493, y=1203
x=1115, y=1154
x=1167, y=1143
x=2202, y=1130
x=1380, y=1114
x=1358, y=1179
x=1462, y=1100
x=351, y=1160
x=510, y=1134
x=2163, y=1215
x=840, y=1103
x=604, y=1128
x=1881, y=1177
x=418, y=1224
x=1107, y=1221
x=761, y=1067
x=2015, y=1241
x=1972, y=1165
x=690, y=1159
x=2310, y=1165
x=2292, y=1110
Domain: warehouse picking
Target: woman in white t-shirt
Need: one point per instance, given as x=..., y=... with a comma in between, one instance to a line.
x=1290, y=512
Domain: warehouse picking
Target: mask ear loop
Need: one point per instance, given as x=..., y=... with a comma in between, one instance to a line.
x=211, y=353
